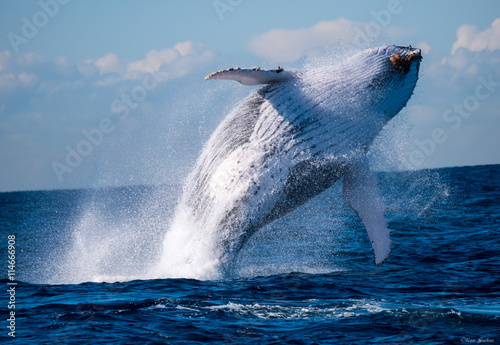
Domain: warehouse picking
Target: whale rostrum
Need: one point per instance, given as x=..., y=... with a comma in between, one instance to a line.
x=286, y=143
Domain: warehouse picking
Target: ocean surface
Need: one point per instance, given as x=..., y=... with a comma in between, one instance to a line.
x=84, y=259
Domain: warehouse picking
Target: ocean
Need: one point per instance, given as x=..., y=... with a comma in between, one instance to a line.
x=80, y=269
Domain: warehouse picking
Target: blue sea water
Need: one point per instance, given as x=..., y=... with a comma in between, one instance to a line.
x=83, y=259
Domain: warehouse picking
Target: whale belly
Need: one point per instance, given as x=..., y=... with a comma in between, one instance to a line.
x=268, y=162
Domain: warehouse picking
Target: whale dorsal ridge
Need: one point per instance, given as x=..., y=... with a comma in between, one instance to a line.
x=251, y=76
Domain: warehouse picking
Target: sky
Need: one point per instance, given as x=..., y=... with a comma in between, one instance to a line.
x=112, y=93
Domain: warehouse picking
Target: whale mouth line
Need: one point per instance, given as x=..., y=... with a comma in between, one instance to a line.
x=402, y=64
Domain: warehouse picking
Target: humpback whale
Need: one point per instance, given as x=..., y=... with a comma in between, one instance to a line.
x=283, y=145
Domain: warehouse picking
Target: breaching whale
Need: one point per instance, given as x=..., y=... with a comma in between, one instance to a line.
x=283, y=145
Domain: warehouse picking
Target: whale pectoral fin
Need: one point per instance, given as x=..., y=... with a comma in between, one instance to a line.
x=360, y=191
x=252, y=76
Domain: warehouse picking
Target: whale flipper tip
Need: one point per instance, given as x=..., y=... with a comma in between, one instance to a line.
x=382, y=255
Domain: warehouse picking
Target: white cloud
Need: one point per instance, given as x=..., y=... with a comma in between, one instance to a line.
x=5, y=59
x=9, y=81
x=109, y=63
x=11, y=63
x=178, y=60
x=154, y=59
x=468, y=63
x=475, y=52
x=25, y=69
x=87, y=68
x=187, y=47
x=279, y=45
x=27, y=79
x=29, y=59
x=471, y=38
x=424, y=46
x=459, y=60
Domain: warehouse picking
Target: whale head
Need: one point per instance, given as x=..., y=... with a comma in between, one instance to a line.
x=390, y=75
x=368, y=89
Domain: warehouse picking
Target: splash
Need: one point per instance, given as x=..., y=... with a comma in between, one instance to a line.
x=162, y=240
x=186, y=252
x=117, y=236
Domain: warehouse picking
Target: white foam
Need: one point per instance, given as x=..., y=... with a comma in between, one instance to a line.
x=274, y=311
